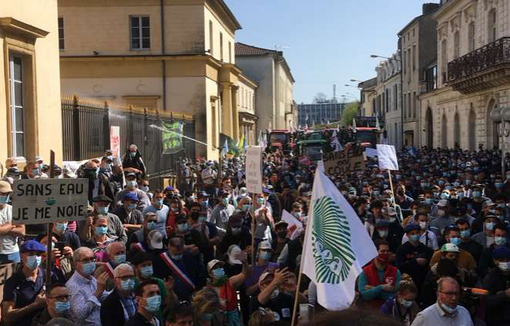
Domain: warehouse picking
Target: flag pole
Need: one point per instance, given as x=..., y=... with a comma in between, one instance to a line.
x=392, y=191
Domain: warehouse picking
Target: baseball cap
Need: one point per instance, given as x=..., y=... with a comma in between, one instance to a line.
x=232, y=251
x=213, y=263
x=155, y=239
x=32, y=245
x=412, y=227
x=264, y=276
x=131, y=196
x=449, y=247
x=501, y=253
x=265, y=245
x=101, y=198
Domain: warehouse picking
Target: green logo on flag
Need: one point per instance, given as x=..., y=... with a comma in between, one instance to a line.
x=331, y=239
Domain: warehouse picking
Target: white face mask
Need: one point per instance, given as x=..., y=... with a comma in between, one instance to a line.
x=423, y=225
x=504, y=266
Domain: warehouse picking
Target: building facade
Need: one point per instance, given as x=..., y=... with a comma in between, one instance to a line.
x=389, y=97
x=173, y=55
x=320, y=113
x=418, y=48
x=246, y=99
x=275, y=104
x=473, y=76
x=368, y=97
x=31, y=118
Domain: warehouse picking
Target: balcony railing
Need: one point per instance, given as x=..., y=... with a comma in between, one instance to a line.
x=489, y=56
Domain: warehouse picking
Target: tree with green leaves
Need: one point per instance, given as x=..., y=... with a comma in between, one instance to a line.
x=350, y=111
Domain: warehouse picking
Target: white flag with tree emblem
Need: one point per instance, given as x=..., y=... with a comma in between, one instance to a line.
x=337, y=245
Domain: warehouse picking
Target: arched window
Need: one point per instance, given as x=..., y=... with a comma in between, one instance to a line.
x=430, y=128
x=492, y=128
x=444, y=132
x=472, y=128
x=456, y=130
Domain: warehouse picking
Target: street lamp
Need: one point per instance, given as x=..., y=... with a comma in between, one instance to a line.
x=355, y=81
x=348, y=85
x=502, y=116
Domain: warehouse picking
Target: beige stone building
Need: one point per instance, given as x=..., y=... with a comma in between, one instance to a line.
x=472, y=74
x=30, y=115
x=246, y=107
x=368, y=97
x=171, y=55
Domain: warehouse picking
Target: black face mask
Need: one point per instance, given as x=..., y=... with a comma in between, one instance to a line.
x=195, y=216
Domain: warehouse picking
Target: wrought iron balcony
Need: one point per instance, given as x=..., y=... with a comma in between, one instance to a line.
x=484, y=68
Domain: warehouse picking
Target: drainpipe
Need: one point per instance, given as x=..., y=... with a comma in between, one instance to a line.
x=163, y=52
x=401, y=94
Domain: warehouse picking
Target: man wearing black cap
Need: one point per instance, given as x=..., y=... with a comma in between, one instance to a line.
x=497, y=282
x=131, y=218
x=115, y=227
x=413, y=257
x=24, y=294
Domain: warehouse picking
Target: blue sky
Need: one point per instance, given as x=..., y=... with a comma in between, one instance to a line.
x=329, y=41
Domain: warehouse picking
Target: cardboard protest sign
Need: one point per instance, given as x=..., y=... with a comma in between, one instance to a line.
x=44, y=201
x=254, y=169
x=346, y=161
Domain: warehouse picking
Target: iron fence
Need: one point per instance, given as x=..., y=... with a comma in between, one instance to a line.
x=87, y=125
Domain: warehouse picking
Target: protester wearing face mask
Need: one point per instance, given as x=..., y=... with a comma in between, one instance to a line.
x=207, y=307
x=144, y=271
x=263, y=218
x=208, y=231
x=148, y=297
x=271, y=297
x=237, y=234
x=23, y=295
x=376, y=214
x=160, y=209
x=131, y=218
x=101, y=207
x=132, y=161
x=132, y=186
x=379, y=280
x=186, y=270
x=443, y=219
x=121, y=304
x=9, y=233
x=100, y=240
x=140, y=241
x=486, y=237
x=427, y=237
x=194, y=243
x=226, y=288
x=222, y=212
x=465, y=260
x=57, y=305
x=262, y=264
x=500, y=239
x=467, y=244
x=413, y=256
x=403, y=307
x=446, y=310
x=87, y=293
x=281, y=239
x=497, y=282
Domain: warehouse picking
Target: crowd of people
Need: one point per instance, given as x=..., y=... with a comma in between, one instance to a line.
x=208, y=253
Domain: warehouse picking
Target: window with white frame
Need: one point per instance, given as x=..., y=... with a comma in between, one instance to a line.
x=17, y=105
x=140, y=33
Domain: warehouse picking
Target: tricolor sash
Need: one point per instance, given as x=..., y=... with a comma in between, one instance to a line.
x=177, y=271
x=139, y=246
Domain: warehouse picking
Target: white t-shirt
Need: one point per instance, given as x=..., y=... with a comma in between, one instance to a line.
x=9, y=244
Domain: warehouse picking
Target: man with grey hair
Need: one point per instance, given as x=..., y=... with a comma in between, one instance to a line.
x=116, y=252
x=132, y=161
x=85, y=290
x=121, y=304
x=446, y=310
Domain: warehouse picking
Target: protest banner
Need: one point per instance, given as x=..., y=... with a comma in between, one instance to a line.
x=115, y=140
x=346, y=161
x=42, y=201
x=387, y=156
x=294, y=227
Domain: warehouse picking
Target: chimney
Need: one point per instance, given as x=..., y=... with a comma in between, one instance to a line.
x=429, y=8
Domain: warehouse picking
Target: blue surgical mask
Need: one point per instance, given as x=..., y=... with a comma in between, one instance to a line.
x=499, y=185
x=202, y=219
x=406, y=303
x=119, y=259
x=429, y=200
x=33, y=262
x=61, y=307
x=128, y=285
x=132, y=154
x=133, y=184
x=261, y=200
x=218, y=273
x=159, y=202
x=456, y=241
x=468, y=182
x=102, y=210
x=151, y=225
x=101, y=230
x=4, y=200
x=460, y=195
x=499, y=241
x=448, y=309
x=207, y=317
x=147, y=271
x=36, y=171
x=89, y=268
x=246, y=207
x=465, y=234
x=489, y=226
x=153, y=303
x=415, y=237
x=132, y=206
x=265, y=255
x=61, y=227
x=183, y=227
x=224, y=201
x=477, y=194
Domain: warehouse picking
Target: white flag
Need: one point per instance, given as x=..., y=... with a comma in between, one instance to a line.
x=337, y=245
x=295, y=227
x=387, y=157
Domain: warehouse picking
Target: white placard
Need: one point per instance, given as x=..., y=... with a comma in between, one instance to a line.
x=43, y=201
x=295, y=227
x=254, y=169
x=115, y=140
x=371, y=152
x=387, y=156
